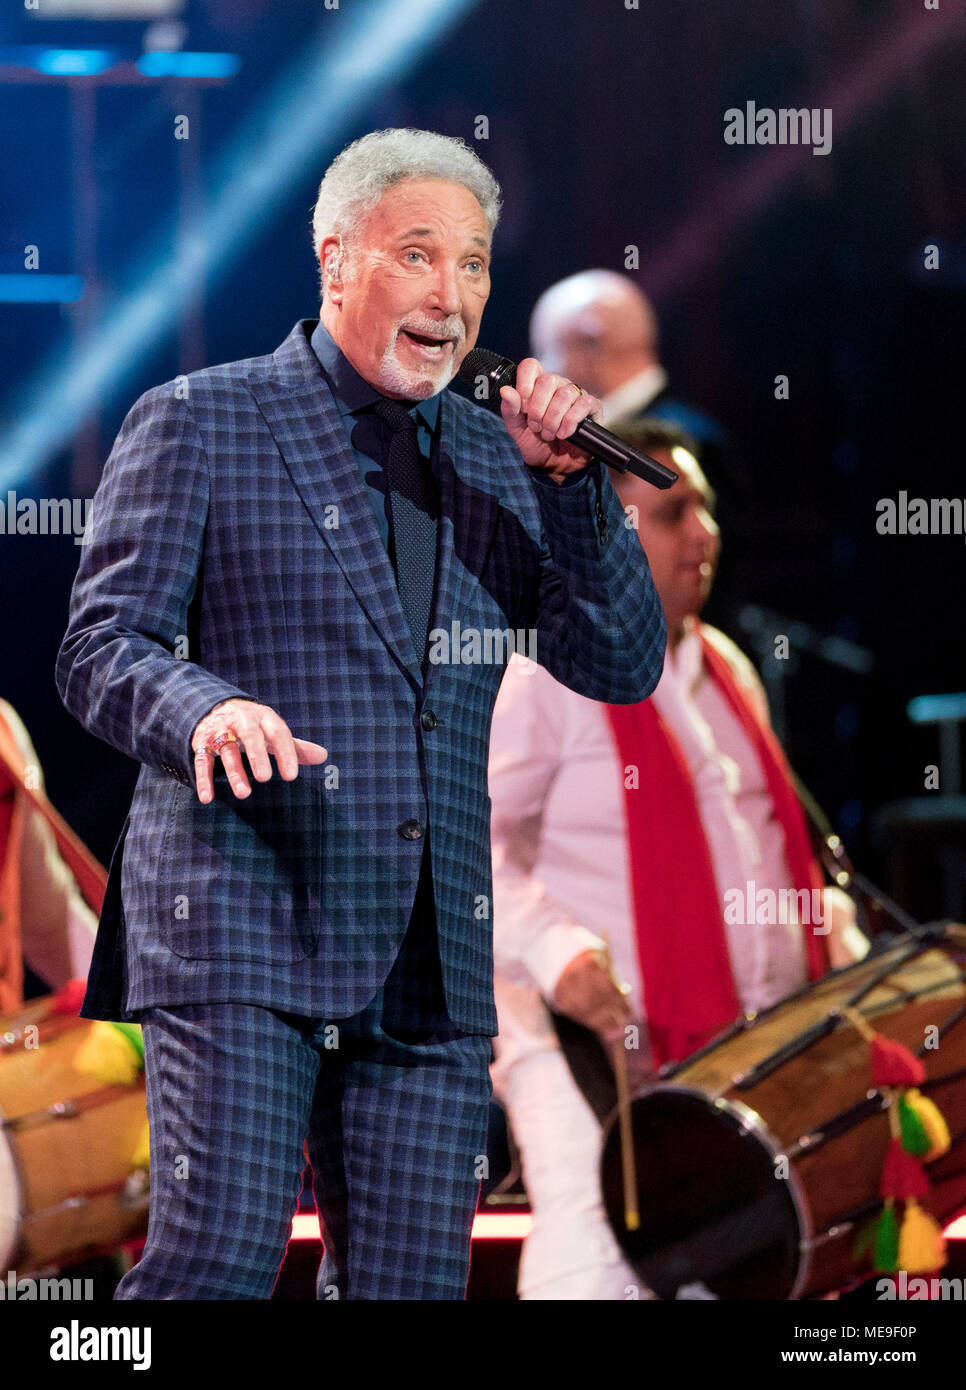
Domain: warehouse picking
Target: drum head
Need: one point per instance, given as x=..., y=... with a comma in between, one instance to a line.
x=712, y=1210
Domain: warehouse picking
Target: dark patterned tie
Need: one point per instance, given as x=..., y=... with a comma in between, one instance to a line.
x=413, y=519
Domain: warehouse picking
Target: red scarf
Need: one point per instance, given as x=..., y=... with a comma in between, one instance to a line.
x=689, y=987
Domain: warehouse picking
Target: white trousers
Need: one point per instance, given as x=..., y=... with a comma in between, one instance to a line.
x=571, y=1252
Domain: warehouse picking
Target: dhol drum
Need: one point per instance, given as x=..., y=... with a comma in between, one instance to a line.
x=68, y=1187
x=758, y=1159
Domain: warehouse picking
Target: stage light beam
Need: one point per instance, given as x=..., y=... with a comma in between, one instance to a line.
x=294, y=128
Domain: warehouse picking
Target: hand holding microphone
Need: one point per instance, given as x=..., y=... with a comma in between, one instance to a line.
x=550, y=419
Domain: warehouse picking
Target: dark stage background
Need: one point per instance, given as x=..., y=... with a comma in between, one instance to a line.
x=605, y=128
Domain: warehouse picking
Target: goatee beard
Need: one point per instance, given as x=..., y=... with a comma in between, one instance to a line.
x=414, y=383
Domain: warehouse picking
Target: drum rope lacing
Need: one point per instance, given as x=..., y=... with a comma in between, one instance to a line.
x=836, y=1125
x=913, y=948
x=922, y=942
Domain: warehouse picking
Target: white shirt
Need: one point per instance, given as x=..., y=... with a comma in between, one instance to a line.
x=561, y=875
x=633, y=395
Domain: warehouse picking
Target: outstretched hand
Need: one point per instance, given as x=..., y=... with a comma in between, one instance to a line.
x=244, y=726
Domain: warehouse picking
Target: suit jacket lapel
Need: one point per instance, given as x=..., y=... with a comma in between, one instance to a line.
x=306, y=427
x=302, y=416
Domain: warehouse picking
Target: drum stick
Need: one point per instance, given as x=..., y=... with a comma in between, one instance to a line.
x=632, y=1217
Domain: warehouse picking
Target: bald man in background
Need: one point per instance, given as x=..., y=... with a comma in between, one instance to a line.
x=598, y=328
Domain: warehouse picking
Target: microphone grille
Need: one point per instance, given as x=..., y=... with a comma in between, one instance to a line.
x=482, y=362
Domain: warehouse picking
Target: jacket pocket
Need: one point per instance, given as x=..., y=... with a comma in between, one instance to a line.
x=242, y=879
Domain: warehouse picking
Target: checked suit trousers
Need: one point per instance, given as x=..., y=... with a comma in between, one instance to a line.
x=393, y=1105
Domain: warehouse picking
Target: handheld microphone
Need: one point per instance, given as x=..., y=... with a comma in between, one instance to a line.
x=497, y=371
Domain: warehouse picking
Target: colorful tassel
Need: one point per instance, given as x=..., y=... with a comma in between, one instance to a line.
x=69, y=998
x=885, y=1246
x=931, y=1119
x=135, y=1037
x=903, y=1175
x=921, y=1246
x=893, y=1064
x=915, y=1139
x=918, y=1132
x=112, y=1054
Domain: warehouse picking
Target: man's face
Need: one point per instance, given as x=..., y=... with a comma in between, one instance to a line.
x=678, y=533
x=414, y=284
x=599, y=344
x=581, y=355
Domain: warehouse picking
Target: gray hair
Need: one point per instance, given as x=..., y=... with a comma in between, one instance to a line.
x=359, y=176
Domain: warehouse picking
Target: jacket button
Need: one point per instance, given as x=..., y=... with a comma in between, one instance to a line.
x=411, y=830
x=428, y=719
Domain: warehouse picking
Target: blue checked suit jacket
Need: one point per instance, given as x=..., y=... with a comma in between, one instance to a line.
x=233, y=552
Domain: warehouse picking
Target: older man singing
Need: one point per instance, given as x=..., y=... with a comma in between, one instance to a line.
x=273, y=543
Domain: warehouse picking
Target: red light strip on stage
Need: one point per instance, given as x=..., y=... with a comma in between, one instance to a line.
x=516, y=1225
x=956, y=1230
x=486, y=1226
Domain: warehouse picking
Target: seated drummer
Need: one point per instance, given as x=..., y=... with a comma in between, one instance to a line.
x=44, y=918
x=667, y=832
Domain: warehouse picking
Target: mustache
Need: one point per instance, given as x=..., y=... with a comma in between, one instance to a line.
x=433, y=328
